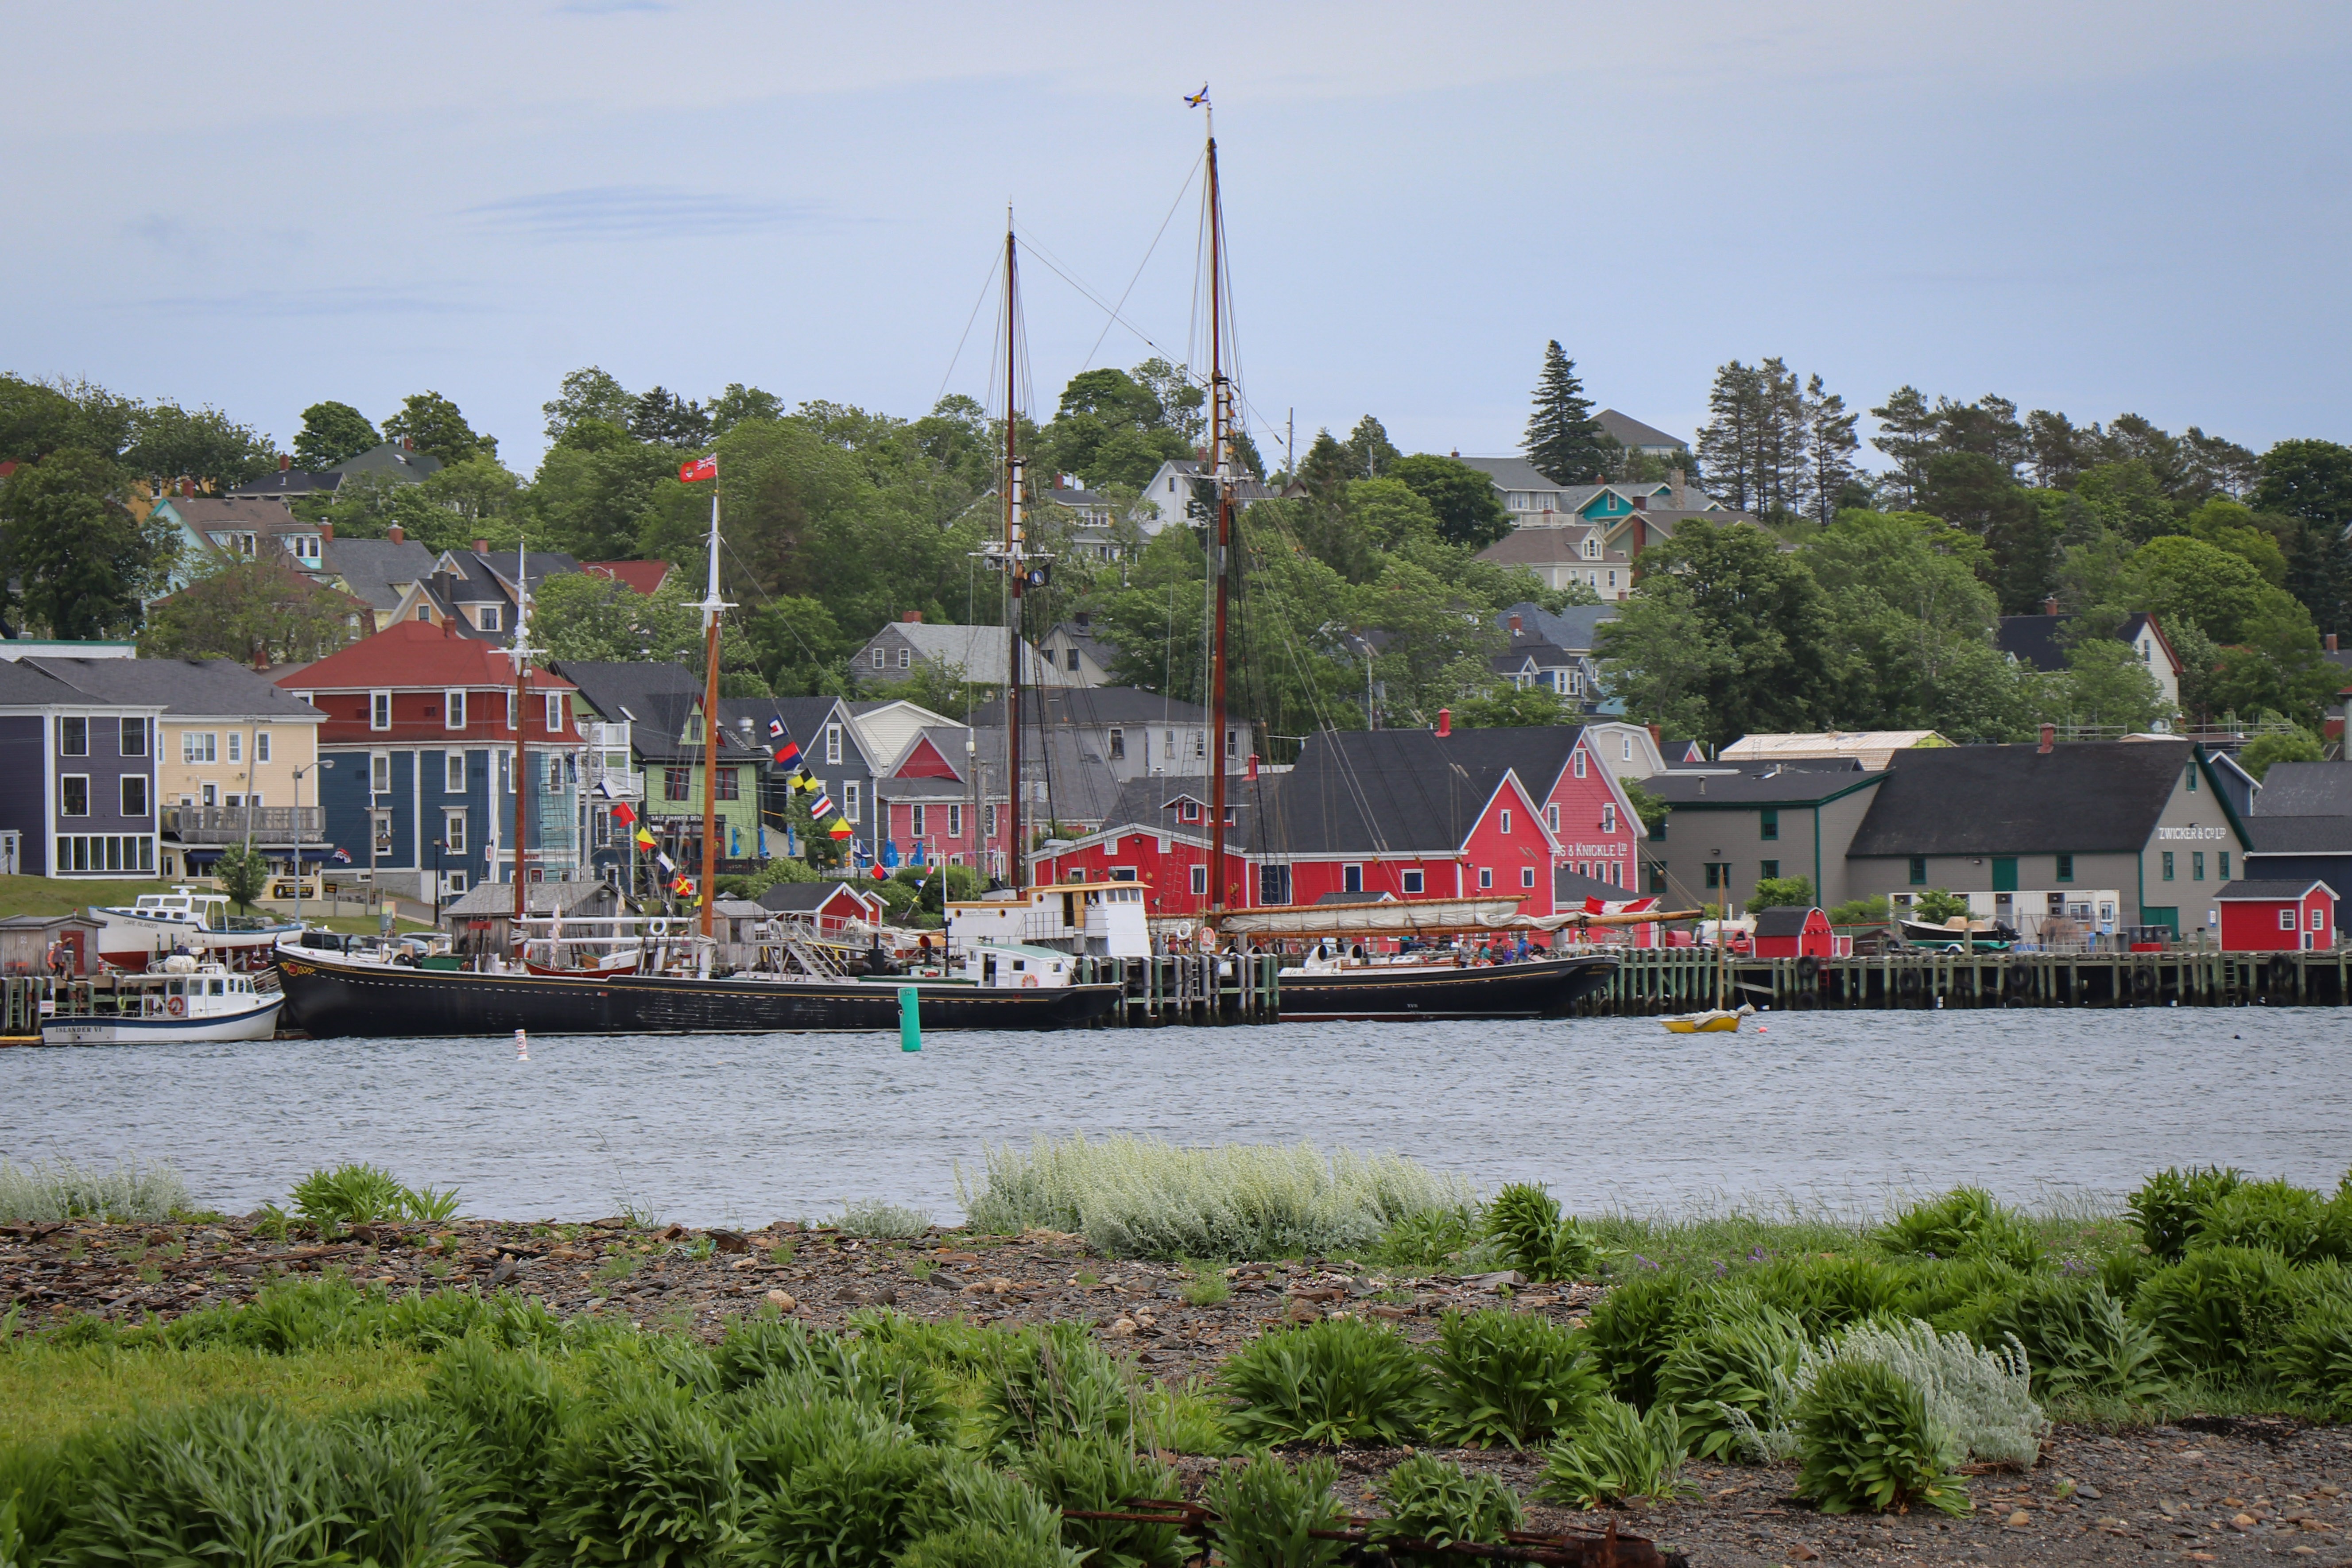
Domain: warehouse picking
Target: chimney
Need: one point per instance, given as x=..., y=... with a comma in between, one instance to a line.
x=187, y=487
x=326, y=531
x=2050, y=605
x=284, y=462
x=1641, y=503
x=1456, y=453
x=912, y=618
x=481, y=547
x=2331, y=642
x=399, y=534
x=1657, y=738
x=1674, y=478
x=1515, y=626
x=1445, y=723
x=2048, y=736
x=1085, y=618
x=260, y=660
x=1253, y=765
x=408, y=443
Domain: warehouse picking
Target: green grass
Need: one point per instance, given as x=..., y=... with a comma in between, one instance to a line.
x=54, y=1391
x=63, y=895
x=1730, y=1240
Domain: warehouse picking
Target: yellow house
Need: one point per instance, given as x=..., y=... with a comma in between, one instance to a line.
x=229, y=744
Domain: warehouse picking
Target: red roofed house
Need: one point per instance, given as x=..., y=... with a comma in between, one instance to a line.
x=420, y=722
x=2276, y=917
x=645, y=576
x=1791, y=933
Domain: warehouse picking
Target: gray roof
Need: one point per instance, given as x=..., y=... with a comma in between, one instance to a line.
x=390, y=457
x=289, y=482
x=2087, y=797
x=1550, y=546
x=1572, y=629
x=1627, y=431
x=1778, y=786
x=211, y=687
x=2298, y=836
x=1087, y=707
x=205, y=512
x=1518, y=474
x=656, y=700
x=377, y=570
x=2306, y=789
x=2268, y=889
x=1783, y=919
x=24, y=686
x=2037, y=641
x=1569, y=888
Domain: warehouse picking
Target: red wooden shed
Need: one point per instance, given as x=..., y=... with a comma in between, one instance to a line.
x=1793, y=933
x=2276, y=917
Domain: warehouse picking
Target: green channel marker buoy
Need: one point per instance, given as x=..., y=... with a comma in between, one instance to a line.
x=910, y=1018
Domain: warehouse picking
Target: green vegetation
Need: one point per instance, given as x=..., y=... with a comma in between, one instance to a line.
x=1136, y=1197
x=1524, y=1223
x=1506, y=1377
x=363, y=1194
x=1868, y=1443
x=1427, y=1498
x=1267, y=1514
x=1616, y=1455
x=1334, y=1382
x=60, y=1189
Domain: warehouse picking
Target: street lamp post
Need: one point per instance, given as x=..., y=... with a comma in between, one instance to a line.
x=321, y=763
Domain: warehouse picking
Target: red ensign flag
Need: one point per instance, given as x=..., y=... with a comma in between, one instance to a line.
x=698, y=469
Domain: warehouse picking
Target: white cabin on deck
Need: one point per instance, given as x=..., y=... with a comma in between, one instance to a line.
x=1013, y=965
x=1103, y=919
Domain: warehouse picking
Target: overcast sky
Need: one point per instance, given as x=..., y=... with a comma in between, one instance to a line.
x=2095, y=208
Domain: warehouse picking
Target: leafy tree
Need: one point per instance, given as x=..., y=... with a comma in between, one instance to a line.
x=1653, y=811
x=204, y=445
x=1468, y=512
x=1506, y=705
x=587, y=393
x=1782, y=893
x=1723, y=637
x=2217, y=467
x=2310, y=479
x=586, y=615
x=2106, y=684
x=1564, y=442
x=2054, y=448
x=1390, y=513
x=330, y=433
x=741, y=405
x=2231, y=526
x=2259, y=752
x=2184, y=579
x=2129, y=499
x=662, y=419
x=258, y=603
x=242, y=873
x=595, y=490
x=82, y=564
x=1937, y=905
x=35, y=419
x=434, y=426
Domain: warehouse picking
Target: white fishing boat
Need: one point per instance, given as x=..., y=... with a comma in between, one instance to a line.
x=180, y=1000
x=186, y=919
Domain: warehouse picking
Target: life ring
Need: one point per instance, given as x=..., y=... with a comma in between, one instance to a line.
x=2144, y=981
x=1808, y=971
x=657, y=927
x=1906, y=981
x=1028, y=980
x=176, y=1006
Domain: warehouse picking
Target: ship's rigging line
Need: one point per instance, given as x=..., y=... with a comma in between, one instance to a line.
x=986, y=286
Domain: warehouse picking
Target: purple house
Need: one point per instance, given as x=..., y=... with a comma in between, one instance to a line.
x=77, y=787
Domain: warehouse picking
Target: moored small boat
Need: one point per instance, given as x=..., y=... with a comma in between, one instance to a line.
x=131, y=936
x=180, y=1001
x=1715, y=1021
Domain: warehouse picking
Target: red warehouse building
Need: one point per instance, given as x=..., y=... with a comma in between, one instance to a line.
x=1791, y=932
x=1411, y=813
x=2276, y=917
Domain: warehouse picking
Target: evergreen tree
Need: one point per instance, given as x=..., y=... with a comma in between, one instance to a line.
x=1830, y=445
x=1369, y=452
x=1563, y=441
x=665, y=419
x=1729, y=443
x=1906, y=432
x=436, y=428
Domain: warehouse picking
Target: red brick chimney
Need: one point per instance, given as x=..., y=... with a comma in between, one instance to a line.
x=326, y=531
x=284, y=462
x=399, y=534
x=1253, y=765
x=2048, y=738
x=1515, y=626
x=2331, y=642
x=1445, y=723
x=2050, y=605
x=912, y=617
x=481, y=547
x=1657, y=736
x=260, y=660
x=187, y=487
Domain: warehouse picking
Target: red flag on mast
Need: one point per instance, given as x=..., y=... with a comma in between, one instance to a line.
x=695, y=468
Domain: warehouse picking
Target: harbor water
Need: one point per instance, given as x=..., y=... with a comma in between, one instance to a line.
x=1841, y=1110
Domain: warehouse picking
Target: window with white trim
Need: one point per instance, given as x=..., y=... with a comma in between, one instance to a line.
x=133, y=741
x=832, y=743
x=73, y=737
x=1608, y=818
x=915, y=821
x=261, y=745
x=1413, y=881
x=906, y=658
x=1575, y=764
x=514, y=715
x=1352, y=878
x=1628, y=740
x=73, y=794
x=486, y=617
x=1527, y=876
x=452, y=710
x=1199, y=878
x=555, y=706
x=453, y=773
x=379, y=710
x=379, y=772
x=2286, y=920
x=135, y=796
x=1507, y=820
x=881, y=658
x=955, y=822
x=1485, y=878
x=453, y=831
x=2318, y=917
x=1552, y=815
x=849, y=793
x=199, y=746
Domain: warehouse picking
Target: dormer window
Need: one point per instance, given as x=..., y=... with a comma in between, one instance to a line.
x=1592, y=548
x=1188, y=810
x=486, y=617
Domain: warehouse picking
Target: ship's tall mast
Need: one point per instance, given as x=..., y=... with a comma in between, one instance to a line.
x=520, y=653
x=1221, y=556
x=712, y=607
x=1015, y=569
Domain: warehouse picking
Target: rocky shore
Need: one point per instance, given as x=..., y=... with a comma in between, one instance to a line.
x=2204, y=1491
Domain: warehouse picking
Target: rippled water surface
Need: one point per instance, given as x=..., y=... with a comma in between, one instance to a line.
x=1830, y=1107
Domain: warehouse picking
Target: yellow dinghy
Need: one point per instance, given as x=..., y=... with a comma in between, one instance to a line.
x=1716, y=1021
